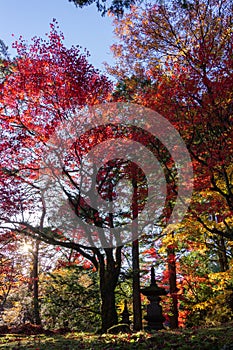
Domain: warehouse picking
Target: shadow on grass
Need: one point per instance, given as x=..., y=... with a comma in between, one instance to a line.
x=40, y=342
x=192, y=339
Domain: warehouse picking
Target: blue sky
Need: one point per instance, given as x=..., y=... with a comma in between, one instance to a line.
x=84, y=27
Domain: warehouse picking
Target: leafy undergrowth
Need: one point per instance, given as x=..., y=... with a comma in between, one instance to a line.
x=197, y=339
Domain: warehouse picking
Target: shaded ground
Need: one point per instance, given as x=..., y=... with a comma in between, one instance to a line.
x=197, y=339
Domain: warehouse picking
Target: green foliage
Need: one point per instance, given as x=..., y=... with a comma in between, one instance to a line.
x=126, y=88
x=71, y=299
x=3, y=50
x=117, y=7
x=206, y=294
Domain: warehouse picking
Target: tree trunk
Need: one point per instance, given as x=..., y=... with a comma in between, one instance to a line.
x=173, y=287
x=222, y=255
x=109, y=272
x=108, y=309
x=36, y=308
x=137, y=309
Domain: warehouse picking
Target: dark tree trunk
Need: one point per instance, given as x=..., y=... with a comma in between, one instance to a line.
x=36, y=308
x=137, y=309
x=108, y=308
x=109, y=272
x=222, y=255
x=173, y=287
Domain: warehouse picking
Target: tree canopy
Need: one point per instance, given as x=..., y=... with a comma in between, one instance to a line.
x=177, y=60
x=117, y=7
x=174, y=57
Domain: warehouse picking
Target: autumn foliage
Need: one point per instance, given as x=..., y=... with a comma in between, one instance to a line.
x=174, y=57
x=44, y=84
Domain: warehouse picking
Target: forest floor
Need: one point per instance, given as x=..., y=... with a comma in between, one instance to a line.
x=216, y=338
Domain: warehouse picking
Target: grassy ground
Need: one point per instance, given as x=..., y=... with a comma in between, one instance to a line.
x=199, y=339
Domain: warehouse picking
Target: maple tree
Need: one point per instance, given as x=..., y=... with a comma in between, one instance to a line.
x=201, y=290
x=47, y=83
x=176, y=58
x=181, y=47
x=8, y=268
x=44, y=85
x=13, y=277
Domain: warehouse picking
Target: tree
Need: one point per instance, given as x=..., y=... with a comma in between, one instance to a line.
x=35, y=282
x=186, y=48
x=47, y=83
x=205, y=291
x=3, y=50
x=71, y=298
x=8, y=268
x=174, y=317
x=117, y=7
x=200, y=296
x=176, y=57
